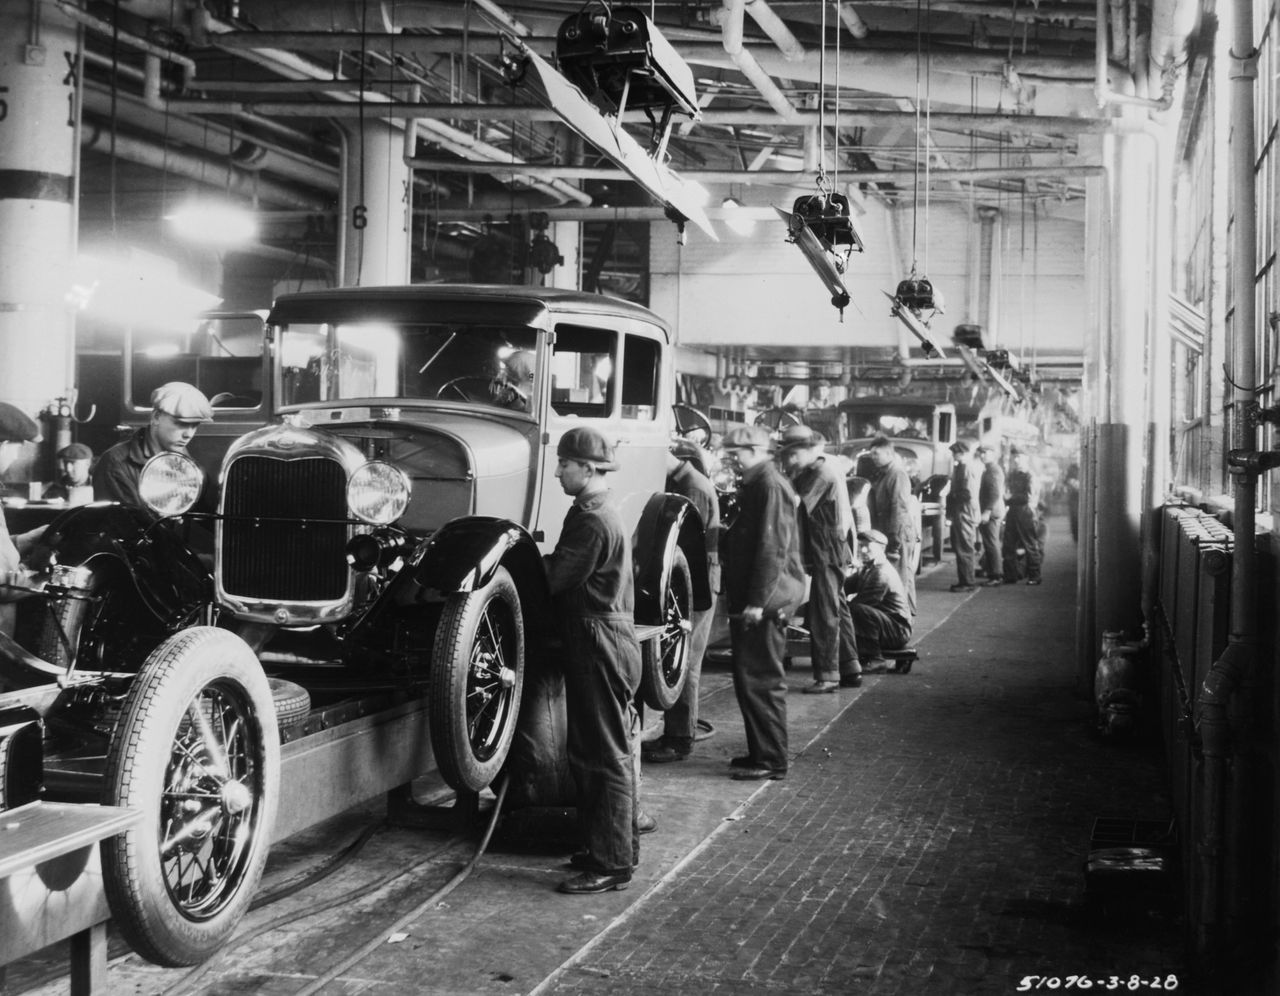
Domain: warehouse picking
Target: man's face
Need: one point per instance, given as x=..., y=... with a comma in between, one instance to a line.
x=8, y=453
x=796, y=459
x=170, y=434
x=881, y=455
x=573, y=476
x=869, y=552
x=746, y=456
x=74, y=472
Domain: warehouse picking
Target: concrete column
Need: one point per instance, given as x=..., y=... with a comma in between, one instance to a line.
x=1122, y=421
x=567, y=235
x=38, y=77
x=378, y=205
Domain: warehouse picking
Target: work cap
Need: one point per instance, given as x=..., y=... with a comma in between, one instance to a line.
x=686, y=449
x=800, y=437
x=182, y=401
x=959, y=446
x=746, y=435
x=586, y=445
x=76, y=451
x=873, y=536
x=16, y=426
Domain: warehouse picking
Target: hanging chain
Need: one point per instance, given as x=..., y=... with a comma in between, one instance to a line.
x=915, y=191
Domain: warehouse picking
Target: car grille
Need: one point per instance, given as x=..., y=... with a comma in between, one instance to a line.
x=273, y=545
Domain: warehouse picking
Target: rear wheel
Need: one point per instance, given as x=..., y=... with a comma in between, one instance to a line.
x=663, y=674
x=197, y=750
x=477, y=675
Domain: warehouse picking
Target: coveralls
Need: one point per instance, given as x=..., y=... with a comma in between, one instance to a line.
x=964, y=519
x=991, y=499
x=881, y=619
x=826, y=523
x=590, y=576
x=891, y=513
x=1021, y=530
x=681, y=723
x=760, y=554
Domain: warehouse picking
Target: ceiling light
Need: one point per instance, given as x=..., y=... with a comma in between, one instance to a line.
x=214, y=224
x=741, y=223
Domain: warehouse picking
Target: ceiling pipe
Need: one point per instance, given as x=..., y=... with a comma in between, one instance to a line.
x=221, y=176
x=525, y=113
x=1170, y=19
x=853, y=21
x=745, y=62
x=1119, y=29
x=799, y=177
x=112, y=32
x=773, y=26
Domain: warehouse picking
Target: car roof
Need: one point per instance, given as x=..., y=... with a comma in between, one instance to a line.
x=400, y=299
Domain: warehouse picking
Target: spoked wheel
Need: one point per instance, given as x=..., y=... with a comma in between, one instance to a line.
x=476, y=681
x=198, y=751
x=663, y=674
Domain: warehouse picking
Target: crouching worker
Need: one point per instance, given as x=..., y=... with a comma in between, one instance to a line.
x=592, y=592
x=878, y=603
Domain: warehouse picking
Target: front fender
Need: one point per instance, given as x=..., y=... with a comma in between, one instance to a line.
x=463, y=555
x=668, y=522
x=168, y=575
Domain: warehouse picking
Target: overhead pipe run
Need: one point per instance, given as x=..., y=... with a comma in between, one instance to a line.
x=745, y=62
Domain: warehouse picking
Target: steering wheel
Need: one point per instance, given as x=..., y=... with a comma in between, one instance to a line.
x=468, y=388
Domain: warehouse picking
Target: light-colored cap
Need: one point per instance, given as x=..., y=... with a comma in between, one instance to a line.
x=747, y=435
x=586, y=445
x=182, y=401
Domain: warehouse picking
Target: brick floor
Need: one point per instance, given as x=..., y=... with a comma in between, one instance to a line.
x=931, y=841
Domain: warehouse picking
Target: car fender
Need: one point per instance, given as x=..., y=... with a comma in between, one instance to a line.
x=668, y=522
x=167, y=574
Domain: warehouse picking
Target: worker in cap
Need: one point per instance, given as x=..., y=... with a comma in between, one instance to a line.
x=825, y=519
x=763, y=583
x=893, y=510
x=966, y=479
x=878, y=603
x=16, y=428
x=177, y=411
x=74, y=462
x=991, y=513
x=686, y=477
x=589, y=574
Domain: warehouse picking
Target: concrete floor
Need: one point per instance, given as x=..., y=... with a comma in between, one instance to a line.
x=929, y=839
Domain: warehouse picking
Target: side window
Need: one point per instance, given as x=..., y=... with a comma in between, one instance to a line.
x=945, y=432
x=584, y=371
x=640, y=367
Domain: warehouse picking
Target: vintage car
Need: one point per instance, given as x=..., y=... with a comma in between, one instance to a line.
x=363, y=598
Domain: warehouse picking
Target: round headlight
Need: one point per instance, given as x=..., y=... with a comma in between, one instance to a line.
x=378, y=493
x=170, y=483
x=726, y=477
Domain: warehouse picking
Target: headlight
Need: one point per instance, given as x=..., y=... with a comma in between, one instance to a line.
x=378, y=493
x=726, y=476
x=170, y=483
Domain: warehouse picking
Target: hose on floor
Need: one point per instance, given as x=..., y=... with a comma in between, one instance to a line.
x=368, y=948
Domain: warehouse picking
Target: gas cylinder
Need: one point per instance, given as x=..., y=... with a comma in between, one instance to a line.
x=1116, y=687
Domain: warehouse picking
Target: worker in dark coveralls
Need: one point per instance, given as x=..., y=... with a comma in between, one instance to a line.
x=963, y=501
x=763, y=577
x=881, y=620
x=991, y=512
x=177, y=411
x=680, y=722
x=590, y=576
x=893, y=513
x=826, y=534
x=1022, y=528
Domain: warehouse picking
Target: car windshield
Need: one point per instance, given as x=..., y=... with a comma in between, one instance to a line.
x=486, y=365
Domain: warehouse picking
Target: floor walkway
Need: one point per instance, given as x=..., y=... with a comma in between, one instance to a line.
x=932, y=841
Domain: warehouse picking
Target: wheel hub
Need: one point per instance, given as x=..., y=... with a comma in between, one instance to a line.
x=236, y=798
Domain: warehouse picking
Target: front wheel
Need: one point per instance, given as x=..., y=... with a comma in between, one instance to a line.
x=663, y=673
x=197, y=749
x=477, y=675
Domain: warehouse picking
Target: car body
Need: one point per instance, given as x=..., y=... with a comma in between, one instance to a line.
x=365, y=600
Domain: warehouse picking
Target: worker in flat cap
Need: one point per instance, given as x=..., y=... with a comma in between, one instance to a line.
x=16, y=428
x=73, y=485
x=177, y=411
x=686, y=477
x=878, y=603
x=763, y=583
x=590, y=576
x=1022, y=528
x=893, y=511
x=825, y=519
x=966, y=480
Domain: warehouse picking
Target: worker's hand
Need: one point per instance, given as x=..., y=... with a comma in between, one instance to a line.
x=985, y=517
x=752, y=615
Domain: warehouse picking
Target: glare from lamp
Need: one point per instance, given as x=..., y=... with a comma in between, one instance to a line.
x=741, y=223
x=214, y=224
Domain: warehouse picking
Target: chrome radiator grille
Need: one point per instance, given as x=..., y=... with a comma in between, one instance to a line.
x=275, y=544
